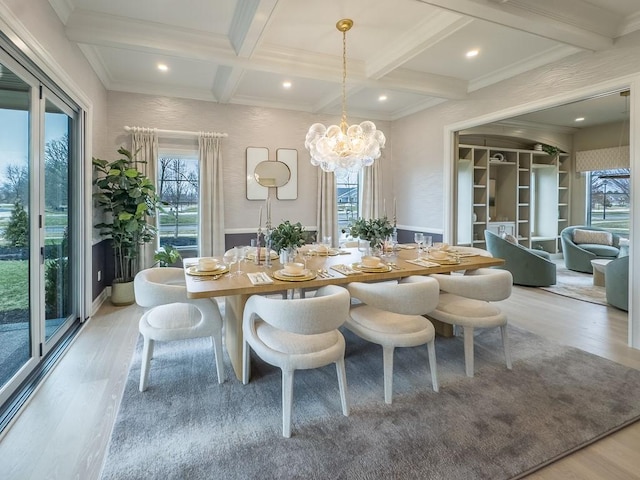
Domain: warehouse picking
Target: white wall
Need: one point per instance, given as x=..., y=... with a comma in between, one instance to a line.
x=247, y=127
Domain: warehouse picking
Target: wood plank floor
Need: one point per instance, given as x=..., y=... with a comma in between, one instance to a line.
x=64, y=431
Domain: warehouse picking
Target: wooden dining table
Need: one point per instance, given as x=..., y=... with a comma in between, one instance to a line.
x=238, y=288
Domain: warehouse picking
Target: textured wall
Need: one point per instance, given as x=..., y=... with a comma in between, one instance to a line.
x=247, y=127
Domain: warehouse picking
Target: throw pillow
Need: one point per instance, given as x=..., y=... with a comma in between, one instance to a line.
x=592, y=236
x=511, y=239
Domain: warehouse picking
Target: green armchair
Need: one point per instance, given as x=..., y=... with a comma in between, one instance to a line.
x=616, y=282
x=528, y=267
x=578, y=256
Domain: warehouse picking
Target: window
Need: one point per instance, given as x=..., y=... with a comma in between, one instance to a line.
x=609, y=198
x=348, y=192
x=178, y=186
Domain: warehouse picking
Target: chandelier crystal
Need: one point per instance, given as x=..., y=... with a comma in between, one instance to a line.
x=344, y=147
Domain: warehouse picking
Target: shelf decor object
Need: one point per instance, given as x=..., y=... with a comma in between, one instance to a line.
x=343, y=146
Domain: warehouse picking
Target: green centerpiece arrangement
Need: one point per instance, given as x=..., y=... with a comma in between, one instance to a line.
x=287, y=237
x=373, y=230
x=128, y=199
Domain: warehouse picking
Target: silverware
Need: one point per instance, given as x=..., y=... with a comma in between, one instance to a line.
x=206, y=278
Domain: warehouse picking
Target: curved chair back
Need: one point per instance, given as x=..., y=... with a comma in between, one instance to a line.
x=488, y=284
x=415, y=295
x=324, y=312
x=159, y=286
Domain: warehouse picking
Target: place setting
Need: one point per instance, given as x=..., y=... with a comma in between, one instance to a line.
x=294, y=272
x=371, y=264
x=206, y=269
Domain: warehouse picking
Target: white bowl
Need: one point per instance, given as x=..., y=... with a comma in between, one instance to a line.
x=207, y=264
x=370, y=261
x=294, y=268
x=438, y=254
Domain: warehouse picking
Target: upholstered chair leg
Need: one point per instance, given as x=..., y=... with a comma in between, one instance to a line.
x=342, y=384
x=468, y=350
x=505, y=343
x=387, y=360
x=246, y=362
x=431, y=348
x=218, y=357
x=147, y=352
x=287, y=400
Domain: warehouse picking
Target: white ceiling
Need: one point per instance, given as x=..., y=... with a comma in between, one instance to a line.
x=412, y=51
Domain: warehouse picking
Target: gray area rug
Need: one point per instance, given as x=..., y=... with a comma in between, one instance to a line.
x=498, y=425
x=577, y=285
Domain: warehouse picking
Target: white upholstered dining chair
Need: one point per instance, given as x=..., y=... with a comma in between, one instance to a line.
x=297, y=334
x=173, y=316
x=391, y=315
x=465, y=301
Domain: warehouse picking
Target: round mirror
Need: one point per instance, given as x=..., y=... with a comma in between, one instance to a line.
x=272, y=174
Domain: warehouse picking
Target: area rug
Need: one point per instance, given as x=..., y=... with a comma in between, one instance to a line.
x=577, y=285
x=500, y=424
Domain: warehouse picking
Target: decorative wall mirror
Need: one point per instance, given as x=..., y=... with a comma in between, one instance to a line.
x=272, y=174
x=263, y=174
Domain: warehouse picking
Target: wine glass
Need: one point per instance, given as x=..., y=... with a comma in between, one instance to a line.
x=230, y=257
x=241, y=253
x=306, y=254
x=418, y=237
x=428, y=243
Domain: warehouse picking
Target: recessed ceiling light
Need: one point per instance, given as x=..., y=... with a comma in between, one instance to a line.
x=162, y=67
x=382, y=98
x=286, y=84
x=580, y=119
x=472, y=53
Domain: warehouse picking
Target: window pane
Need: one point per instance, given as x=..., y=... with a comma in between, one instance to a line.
x=609, y=202
x=348, y=191
x=178, y=187
x=15, y=332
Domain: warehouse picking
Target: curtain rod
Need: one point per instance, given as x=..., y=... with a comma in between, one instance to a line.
x=177, y=133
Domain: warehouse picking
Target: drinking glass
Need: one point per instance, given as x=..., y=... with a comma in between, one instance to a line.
x=306, y=253
x=241, y=252
x=428, y=243
x=229, y=258
x=418, y=237
x=326, y=241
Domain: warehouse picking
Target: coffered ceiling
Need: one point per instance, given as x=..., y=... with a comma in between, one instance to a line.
x=411, y=51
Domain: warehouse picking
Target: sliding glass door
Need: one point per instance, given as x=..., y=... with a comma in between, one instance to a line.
x=39, y=248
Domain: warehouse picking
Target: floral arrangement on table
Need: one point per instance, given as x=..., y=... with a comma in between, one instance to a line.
x=287, y=236
x=375, y=230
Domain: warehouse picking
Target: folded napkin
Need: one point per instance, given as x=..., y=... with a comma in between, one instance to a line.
x=423, y=263
x=344, y=269
x=259, y=278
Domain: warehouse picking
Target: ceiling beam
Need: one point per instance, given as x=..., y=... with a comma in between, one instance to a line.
x=248, y=25
x=102, y=30
x=545, y=18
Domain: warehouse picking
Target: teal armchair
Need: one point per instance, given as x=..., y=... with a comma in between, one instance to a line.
x=578, y=257
x=616, y=283
x=527, y=266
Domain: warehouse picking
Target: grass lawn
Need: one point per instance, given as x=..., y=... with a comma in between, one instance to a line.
x=14, y=284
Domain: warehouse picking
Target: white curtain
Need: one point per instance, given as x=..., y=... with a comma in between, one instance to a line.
x=211, y=201
x=327, y=206
x=371, y=191
x=144, y=147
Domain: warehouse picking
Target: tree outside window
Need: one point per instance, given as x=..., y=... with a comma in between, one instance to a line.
x=609, y=200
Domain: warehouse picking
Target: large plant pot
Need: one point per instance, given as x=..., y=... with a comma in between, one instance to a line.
x=122, y=293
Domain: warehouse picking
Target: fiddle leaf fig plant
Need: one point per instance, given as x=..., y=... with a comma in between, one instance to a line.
x=128, y=199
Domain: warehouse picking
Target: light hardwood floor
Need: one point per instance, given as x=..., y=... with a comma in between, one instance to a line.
x=64, y=431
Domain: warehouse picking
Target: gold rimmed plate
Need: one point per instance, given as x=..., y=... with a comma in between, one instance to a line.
x=252, y=255
x=280, y=275
x=193, y=270
x=381, y=268
x=332, y=252
x=444, y=261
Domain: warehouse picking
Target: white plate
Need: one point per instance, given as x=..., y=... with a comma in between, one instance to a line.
x=288, y=274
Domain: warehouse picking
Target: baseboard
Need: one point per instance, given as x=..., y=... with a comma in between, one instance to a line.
x=100, y=299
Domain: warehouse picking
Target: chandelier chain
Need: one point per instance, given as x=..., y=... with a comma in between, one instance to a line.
x=343, y=123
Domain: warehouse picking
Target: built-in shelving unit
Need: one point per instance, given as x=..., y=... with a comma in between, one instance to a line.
x=521, y=192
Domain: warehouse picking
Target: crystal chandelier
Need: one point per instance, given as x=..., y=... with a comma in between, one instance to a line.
x=344, y=147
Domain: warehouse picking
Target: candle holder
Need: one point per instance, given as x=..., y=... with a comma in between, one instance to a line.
x=267, y=245
x=257, y=260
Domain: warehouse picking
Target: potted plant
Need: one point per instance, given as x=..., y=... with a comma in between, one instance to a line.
x=168, y=255
x=128, y=198
x=286, y=237
x=374, y=230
